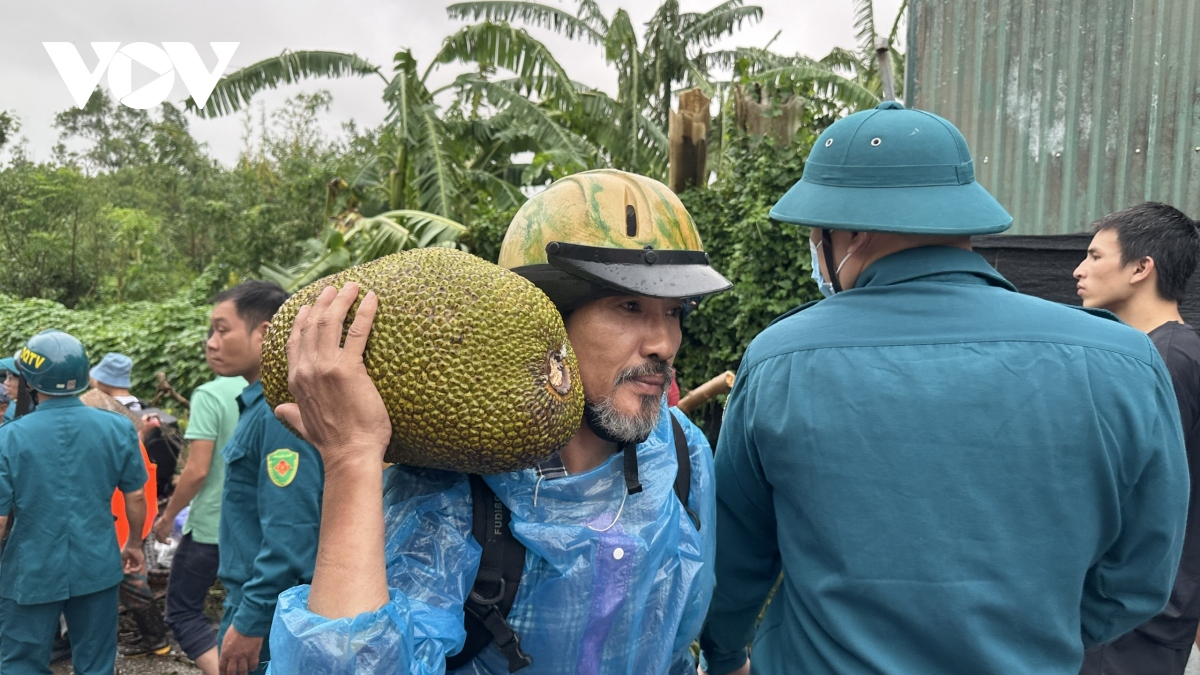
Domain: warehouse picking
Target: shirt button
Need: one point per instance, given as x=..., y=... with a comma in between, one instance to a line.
x=618, y=553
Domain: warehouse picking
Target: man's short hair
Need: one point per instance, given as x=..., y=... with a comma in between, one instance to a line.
x=255, y=301
x=1159, y=232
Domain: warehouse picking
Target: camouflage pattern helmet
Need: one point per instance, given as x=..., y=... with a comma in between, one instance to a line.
x=608, y=232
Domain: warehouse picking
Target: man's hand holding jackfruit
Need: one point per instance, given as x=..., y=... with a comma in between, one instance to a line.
x=339, y=410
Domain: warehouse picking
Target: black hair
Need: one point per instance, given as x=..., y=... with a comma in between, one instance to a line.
x=1159, y=232
x=255, y=301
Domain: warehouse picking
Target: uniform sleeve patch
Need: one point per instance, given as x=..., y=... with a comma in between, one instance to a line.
x=282, y=465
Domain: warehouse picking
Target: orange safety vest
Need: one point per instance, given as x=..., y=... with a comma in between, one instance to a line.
x=118, y=502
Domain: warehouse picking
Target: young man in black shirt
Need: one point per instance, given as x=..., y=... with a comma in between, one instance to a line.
x=1137, y=266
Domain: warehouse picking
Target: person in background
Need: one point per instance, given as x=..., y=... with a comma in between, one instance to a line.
x=951, y=476
x=214, y=415
x=271, y=503
x=12, y=381
x=136, y=595
x=113, y=376
x=58, y=470
x=1137, y=266
x=4, y=402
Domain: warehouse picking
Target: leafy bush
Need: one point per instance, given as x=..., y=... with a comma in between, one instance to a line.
x=163, y=336
x=768, y=262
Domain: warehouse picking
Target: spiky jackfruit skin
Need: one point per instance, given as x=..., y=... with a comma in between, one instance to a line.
x=472, y=361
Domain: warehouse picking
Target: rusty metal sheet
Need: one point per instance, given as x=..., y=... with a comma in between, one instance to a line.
x=1072, y=108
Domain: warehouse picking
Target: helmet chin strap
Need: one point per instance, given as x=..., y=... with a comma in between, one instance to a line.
x=827, y=252
x=632, y=483
x=26, y=398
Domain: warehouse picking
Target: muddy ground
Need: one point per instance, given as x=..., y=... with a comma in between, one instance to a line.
x=175, y=663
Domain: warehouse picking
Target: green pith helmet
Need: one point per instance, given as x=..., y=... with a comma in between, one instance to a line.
x=55, y=363
x=608, y=232
x=892, y=170
x=8, y=364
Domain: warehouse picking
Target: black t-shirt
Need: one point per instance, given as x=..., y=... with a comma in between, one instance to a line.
x=1179, y=346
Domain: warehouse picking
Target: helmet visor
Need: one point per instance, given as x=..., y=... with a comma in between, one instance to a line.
x=658, y=274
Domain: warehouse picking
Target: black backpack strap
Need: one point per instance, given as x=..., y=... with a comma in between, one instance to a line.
x=496, y=583
x=683, y=475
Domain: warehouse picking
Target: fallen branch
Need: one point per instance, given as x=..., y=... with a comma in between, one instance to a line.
x=165, y=389
x=721, y=384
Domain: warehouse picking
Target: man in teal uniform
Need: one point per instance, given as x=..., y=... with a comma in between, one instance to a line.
x=58, y=471
x=271, y=505
x=952, y=477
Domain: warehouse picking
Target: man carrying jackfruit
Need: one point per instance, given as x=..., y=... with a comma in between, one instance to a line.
x=271, y=503
x=58, y=471
x=615, y=576
x=951, y=476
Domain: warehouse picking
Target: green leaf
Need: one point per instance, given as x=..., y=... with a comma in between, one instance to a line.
x=533, y=14
x=503, y=46
x=235, y=90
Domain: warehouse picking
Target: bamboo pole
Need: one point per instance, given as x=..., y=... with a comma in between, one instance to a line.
x=721, y=384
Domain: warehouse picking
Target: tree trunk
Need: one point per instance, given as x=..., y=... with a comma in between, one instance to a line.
x=780, y=121
x=687, y=133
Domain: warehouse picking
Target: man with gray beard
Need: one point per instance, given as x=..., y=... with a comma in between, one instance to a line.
x=615, y=536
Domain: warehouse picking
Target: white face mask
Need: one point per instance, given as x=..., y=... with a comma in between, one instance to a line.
x=824, y=286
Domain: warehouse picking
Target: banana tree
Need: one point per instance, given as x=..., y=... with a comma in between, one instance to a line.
x=361, y=240
x=630, y=128
x=426, y=163
x=863, y=65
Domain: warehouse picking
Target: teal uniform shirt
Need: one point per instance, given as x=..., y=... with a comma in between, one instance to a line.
x=952, y=478
x=58, y=471
x=270, y=513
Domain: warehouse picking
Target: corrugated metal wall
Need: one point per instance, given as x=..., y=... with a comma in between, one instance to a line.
x=1072, y=108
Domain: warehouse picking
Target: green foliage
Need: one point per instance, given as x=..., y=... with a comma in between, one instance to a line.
x=768, y=262
x=163, y=336
x=365, y=240
x=9, y=125
x=486, y=231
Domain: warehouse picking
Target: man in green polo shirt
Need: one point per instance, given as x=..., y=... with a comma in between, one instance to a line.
x=214, y=415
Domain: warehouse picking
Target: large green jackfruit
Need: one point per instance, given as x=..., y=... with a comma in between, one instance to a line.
x=472, y=361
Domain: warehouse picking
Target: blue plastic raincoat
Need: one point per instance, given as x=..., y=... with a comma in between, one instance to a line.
x=593, y=599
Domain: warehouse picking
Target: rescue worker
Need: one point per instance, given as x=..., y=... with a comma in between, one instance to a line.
x=271, y=504
x=615, y=580
x=58, y=470
x=135, y=594
x=951, y=476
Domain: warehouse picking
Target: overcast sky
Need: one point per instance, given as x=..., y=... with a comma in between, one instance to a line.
x=31, y=87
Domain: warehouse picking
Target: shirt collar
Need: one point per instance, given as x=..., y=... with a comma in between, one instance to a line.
x=249, y=396
x=928, y=261
x=48, y=402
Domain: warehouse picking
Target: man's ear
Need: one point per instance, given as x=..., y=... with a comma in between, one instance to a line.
x=1143, y=269
x=859, y=240
x=260, y=331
